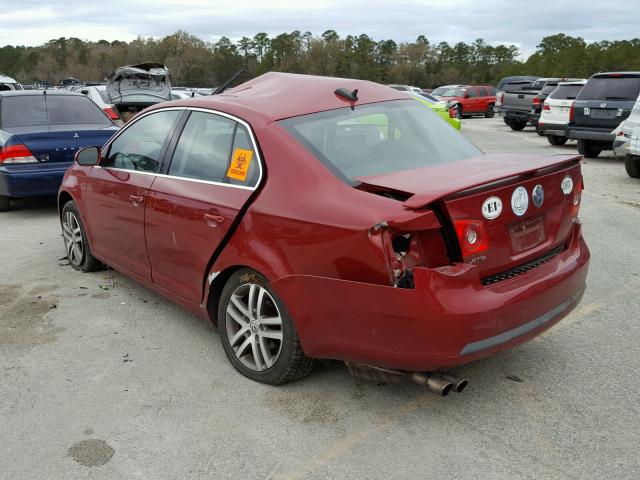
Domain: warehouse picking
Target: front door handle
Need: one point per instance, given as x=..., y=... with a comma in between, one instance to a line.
x=136, y=200
x=213, y=220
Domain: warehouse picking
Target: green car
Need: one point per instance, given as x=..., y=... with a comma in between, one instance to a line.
x=437, y=106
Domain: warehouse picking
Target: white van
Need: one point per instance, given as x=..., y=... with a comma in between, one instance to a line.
x=8, y=83
x=628, y=141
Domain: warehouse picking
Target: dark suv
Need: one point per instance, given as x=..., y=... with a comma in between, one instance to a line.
x=605, y=101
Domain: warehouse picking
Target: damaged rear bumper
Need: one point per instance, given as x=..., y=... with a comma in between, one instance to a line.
x=448, y=319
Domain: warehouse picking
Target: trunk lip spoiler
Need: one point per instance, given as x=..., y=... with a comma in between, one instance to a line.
x=420, y=200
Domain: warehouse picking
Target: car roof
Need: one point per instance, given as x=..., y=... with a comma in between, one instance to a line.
x=276, y=96
x=31, y=93
x=608, y=74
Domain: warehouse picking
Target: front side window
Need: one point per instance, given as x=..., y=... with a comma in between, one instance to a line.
x=471, y=92
x=215, y=149
x=379, y=138
x=140, y=145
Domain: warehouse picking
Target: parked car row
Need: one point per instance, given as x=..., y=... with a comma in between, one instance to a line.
x=469, y=99
x=592, y=112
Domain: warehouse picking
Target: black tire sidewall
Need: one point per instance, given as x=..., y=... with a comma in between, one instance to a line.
x=274, y=374
x=87, y=258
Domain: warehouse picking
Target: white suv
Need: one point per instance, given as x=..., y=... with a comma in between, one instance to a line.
x=555, y=111
x=628, y=141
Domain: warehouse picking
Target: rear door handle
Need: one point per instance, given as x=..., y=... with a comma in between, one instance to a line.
x=136, y=200
x=213, y=220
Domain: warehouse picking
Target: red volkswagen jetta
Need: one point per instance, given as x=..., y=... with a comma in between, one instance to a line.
x=314, y=217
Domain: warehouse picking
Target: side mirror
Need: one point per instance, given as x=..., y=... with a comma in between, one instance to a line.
x=88, y=156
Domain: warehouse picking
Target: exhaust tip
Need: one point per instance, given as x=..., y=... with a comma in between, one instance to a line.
x=462, y=384
x=446, y=389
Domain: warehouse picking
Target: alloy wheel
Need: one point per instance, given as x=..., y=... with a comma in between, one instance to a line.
x=73, y=241
x=254, y=327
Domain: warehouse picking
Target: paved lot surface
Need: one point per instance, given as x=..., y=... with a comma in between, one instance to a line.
x=100, y=378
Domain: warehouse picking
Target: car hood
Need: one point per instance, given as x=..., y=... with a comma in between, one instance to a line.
x=426, y=185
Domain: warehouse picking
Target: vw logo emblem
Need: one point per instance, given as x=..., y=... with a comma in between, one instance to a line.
x=75, y=135
x=520, y=201
x=537, y=195
x=254, y=325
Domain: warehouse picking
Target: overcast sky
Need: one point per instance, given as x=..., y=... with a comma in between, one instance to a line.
x=523, y=23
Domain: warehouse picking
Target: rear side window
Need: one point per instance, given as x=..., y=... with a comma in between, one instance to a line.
x=611, y=88
x=140, y=145
x=472, y=92
x=25, y=110
x=215, y=149
x=566, y=92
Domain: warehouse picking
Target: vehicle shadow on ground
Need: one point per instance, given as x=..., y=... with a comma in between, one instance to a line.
x=36, y=206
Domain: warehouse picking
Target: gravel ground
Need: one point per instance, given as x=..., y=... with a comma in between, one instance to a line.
x=102, y=379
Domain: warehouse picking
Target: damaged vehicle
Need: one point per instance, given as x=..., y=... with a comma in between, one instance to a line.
x=133, y=88
x=328, y=218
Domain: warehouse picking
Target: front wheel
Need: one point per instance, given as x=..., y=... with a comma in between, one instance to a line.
x=5, y=203
x=490, y=112
x=632, y=166
x=588, y=149
x=75, y=240
x=257, y=333
x=459, y=111
x=557, y=139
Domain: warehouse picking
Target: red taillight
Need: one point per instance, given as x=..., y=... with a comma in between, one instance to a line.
x=571, y=113
x=546, y=107
x=575, y=200
x=111, y=113
x=16, y=154
x=472, y=236
x=536, y=102
x=501, y=97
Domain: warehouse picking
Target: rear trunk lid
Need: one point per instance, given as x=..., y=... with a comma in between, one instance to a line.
x=58, y=143
x=518, y=203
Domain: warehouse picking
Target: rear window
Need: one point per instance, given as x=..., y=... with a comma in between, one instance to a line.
x=611, y=88
x=517, y=86
x=453, y=92
x=379, y=138
x=566, y=92
x=21, y=111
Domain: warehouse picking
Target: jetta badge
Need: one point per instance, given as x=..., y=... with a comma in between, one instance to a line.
x=75, y=135
x=520, y=201
x=537, y=195
x=492, y=208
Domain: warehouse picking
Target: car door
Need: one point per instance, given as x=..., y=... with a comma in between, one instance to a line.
x=473, y=100
x=214, y=170
x=117, y=189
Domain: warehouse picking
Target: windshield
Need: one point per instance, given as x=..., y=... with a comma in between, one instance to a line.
x=428, y=96
x=25, y=110
x=439, y=91
x=566, y=92
x=453, y=92
x=379, y=138
x=611, y=88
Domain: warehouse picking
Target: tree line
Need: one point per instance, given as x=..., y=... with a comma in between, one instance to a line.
x=193, y=62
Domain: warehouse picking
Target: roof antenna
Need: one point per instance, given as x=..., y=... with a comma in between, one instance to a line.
x=226, y=84
x=347, y=94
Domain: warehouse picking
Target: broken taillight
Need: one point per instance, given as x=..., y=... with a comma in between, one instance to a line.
x=472, y=236
x=574, y=208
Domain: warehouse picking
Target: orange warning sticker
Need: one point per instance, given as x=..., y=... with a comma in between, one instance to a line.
x=240, y=163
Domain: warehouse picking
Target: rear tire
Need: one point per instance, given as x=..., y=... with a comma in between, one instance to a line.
x=75, y=240
x=490, y=112
x=557, y=139
x=5, y=203
x=632, y=166
x=588, y=149
x=517, y=125
x=257, y=333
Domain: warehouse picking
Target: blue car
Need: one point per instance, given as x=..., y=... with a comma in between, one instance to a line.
x=40, y=131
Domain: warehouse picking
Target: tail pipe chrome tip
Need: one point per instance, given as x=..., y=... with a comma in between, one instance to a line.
x=434, y=382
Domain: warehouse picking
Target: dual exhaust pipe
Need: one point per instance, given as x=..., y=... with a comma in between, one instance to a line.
x=437, y=382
